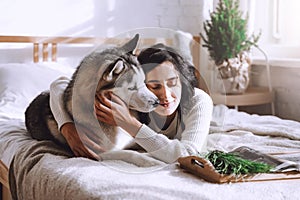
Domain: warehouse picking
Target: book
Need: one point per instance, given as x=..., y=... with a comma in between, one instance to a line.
x=279, y=165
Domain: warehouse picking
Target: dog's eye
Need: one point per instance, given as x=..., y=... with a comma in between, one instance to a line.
x=133, y=88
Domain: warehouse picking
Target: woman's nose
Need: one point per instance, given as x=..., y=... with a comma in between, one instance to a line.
x=165, y=92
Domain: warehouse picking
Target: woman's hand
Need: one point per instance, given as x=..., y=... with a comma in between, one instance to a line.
x=103, y=109
x=115, y=112
x=76, y=142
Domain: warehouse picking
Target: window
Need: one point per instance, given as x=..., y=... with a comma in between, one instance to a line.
x=277, y=19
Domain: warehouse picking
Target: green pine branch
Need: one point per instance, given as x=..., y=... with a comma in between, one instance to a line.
x=229, y=163
x=226, y=32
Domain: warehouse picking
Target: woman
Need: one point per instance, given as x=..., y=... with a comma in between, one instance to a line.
x=177, y=127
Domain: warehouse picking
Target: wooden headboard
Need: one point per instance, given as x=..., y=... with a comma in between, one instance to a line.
x=49, y=47
x=49, y=44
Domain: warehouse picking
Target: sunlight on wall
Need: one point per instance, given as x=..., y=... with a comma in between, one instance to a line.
x=47, y=17
x=110, y=20
x=288, y=20
x=111, y=5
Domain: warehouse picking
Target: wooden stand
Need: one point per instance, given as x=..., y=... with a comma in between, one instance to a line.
x=252, y=96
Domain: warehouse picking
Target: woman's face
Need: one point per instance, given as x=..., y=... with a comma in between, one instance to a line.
x=164, y=82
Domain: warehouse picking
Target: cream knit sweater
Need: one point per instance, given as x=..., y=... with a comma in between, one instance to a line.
x=170, y=144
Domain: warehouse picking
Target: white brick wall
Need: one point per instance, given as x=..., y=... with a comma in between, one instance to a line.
x=185, y=15
x=101, y=18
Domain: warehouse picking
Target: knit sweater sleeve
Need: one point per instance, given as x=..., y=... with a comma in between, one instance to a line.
x=56, y=101
x=192, y=139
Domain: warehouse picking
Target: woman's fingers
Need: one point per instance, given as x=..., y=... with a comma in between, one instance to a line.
x=105, y=105
x=82, y=145
x=103, y=99
x=85, y=152
x=92, y=141
x=105, y=115
x=116, y=99
x=103, y=109
x=80, y=150
x=89, y=136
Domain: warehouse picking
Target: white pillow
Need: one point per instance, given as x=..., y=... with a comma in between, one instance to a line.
x=20, y=83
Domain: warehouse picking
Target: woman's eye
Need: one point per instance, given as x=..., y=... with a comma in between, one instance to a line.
x=172, y=82
x=154, y=86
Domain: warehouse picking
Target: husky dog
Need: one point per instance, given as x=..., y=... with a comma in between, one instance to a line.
x=113, y=69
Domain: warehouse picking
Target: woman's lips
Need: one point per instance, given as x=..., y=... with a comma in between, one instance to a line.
x=167, y=104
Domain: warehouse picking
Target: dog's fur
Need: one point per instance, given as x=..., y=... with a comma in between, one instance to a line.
x=113, y=69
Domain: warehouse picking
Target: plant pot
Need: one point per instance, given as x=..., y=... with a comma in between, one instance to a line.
x=233, y=75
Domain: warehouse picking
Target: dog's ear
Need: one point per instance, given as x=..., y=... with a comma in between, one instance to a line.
x=117, y=69
x=132, y=44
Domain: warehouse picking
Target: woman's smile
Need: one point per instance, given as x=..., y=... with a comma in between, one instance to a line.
x=168, y=104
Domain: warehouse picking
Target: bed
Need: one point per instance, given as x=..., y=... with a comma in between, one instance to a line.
x=31, y=169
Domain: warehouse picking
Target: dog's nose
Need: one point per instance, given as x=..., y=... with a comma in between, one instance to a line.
x=154, y=102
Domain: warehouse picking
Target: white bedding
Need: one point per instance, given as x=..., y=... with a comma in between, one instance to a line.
x=19, y=84
x=63, y=177
x=41, y=170
x=270, y=134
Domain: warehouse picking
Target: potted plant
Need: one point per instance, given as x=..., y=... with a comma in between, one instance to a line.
x=228, y=45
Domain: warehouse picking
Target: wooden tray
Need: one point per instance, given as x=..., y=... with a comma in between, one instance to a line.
x=205, y=170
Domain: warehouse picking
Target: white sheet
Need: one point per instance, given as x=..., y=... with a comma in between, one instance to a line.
x=21, y=82
x=270, y=134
